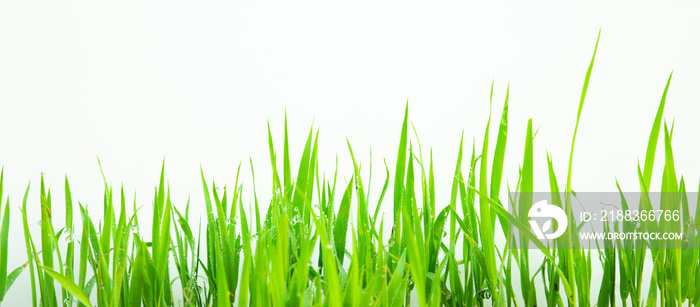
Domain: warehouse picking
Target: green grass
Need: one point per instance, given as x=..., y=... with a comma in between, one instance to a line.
x=435, y=255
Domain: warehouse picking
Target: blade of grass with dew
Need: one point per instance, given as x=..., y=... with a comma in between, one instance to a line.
x=352, y=286
x=330, y=272
x=573, y=256
x=273, y=161
x=287, y=165
x=396, y=247
x=30, y=250
x=4, y=234
x=485, y=229
x=364, y=227
x=606, y=295
x=381, y=195
x=247, y=258
x=49, y=293
x=524, y=205
x=300, y=186
x=645, y=180
x=97, y=261
x=670, y=202
x=341, y=223
x=468, y=201
x=140, y=284
x=414, y=257
x=689, y=255
x=453, y=273
x=70, y=249
x=626, y=255
x=498, y=160
x=301, y=271
x=696, y=299
x=398, y=283
x=13, y=276
x=68, y=284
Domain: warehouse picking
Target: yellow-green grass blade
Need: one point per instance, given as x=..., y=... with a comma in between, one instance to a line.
x=626, y=254
x=394, y=290
x=414, y=257
x=499, y=158
x=340, y=227
x=382, y=194
x=578, y=115
x=400, y=166
x=70, y=249
x=255, y=197
x=158, y=204
x=606, y=294
x=330, y=271
x=161, y=259
x=49, y=292
x=363, y=223
x=4, y=233
x=485, y=226
x=300, y=186
x=97, y=260
x=458, y=293
x=399, y=177
x=431, y=187
x=301, y=270
x=455, y=187
x=247, y=259
x=4, y=246
x=654, y=136
x=352, y=285
x=524, y=205
x=287, y=165
x=217, y=236
x=696, y=298
x=435, y=240
x=140, y=283
x=646, y=175
x=107, y=228
x=573, y=255
x=427, y=203
x=222, y=291
x=273, y=161
x=84, y=253
x=499, y=153
x=29, y=244
x=13, y=276
x=68, y=284
x=280, y=254
x=670, y=202
x=312, y=175
x=689, y=255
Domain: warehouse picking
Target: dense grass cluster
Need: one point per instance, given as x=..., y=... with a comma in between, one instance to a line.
x=308, y=250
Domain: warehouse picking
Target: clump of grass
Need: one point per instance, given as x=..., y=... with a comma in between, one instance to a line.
x=265, y=258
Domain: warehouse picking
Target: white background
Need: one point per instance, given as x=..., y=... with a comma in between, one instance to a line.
x=134, y=82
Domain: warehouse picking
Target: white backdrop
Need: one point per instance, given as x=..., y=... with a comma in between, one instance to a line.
x=134, y=82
